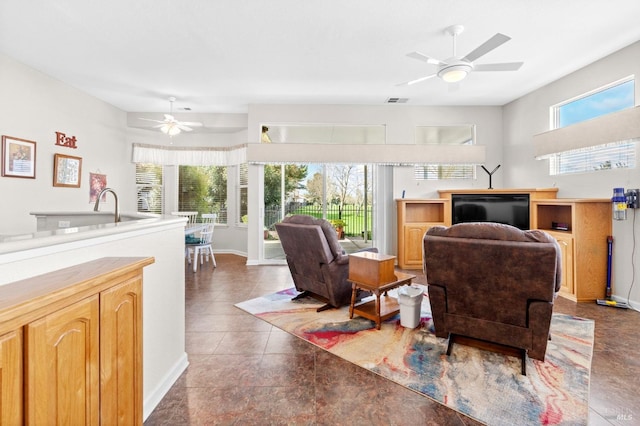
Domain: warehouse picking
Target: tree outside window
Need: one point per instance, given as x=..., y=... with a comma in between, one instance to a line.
x=203, y=189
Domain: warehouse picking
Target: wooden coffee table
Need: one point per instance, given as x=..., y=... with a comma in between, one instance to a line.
x=378, y=309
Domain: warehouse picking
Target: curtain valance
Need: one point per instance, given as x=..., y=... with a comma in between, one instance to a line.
x=189, y=156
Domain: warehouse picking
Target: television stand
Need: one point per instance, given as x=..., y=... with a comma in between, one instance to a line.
x=416, y=216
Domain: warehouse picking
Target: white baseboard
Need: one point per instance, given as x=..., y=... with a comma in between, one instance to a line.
x=227, y=251
x=154, y=397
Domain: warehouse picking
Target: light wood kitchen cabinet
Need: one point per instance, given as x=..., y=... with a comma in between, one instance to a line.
x=62, y=378
x=11, y=378
x=71, y=345
x=584, y=244
x=121, y=344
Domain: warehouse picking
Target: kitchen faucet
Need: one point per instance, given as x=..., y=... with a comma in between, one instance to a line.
x=97, y=205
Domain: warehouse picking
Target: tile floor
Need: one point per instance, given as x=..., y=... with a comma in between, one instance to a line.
x=243, y=371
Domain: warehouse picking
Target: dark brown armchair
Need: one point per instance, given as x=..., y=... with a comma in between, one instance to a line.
x=494, y=283
x=318, y=264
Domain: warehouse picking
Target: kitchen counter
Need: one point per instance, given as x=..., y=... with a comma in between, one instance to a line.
x=159, y=237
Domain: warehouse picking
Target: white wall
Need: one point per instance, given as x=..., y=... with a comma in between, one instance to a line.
x=529, y=115
x=36, y=106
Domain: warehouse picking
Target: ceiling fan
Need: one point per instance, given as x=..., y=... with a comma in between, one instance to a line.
x=170, y=125
x=456, y=68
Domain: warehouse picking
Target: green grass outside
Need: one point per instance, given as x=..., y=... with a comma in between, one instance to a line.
x=354, y=222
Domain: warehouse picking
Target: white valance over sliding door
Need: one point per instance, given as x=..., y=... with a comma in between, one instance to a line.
x=389, y=154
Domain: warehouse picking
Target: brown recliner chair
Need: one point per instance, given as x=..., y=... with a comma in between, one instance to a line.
x=318, y=264
x=493, y=282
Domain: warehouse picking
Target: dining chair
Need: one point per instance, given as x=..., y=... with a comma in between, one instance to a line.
x=208, y=217
x=189, y=228
x=203, y=247
x=192, y=216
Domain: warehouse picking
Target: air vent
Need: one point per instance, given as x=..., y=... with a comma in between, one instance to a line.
x=397, y=100
x=186, y=109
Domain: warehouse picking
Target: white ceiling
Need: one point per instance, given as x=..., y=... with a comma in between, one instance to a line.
x=219, y=56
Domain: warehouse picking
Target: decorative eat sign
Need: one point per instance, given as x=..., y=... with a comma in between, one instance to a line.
x=64, y=140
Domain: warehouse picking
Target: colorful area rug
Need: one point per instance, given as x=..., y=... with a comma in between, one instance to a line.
x=483, y=385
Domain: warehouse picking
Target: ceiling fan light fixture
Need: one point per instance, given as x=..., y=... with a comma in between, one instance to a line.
x=170, y=129
x=454, y=73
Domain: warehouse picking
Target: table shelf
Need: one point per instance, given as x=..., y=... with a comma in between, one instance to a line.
x=380, y=308
x=388, y=307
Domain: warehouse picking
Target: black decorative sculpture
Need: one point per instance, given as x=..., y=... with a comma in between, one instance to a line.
x=490, y=173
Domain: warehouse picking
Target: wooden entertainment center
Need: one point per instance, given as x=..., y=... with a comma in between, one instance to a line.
x=583, y=243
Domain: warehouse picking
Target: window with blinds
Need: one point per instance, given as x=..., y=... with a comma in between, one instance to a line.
x=149, y=188
x=443, y=171
x=602, y=157
x=203, y=189
x=614, y=97
x=444, y=135
x=243, y=192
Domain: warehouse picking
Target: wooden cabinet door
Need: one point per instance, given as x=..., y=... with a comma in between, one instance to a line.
x=11, y=372
x=566, y=248
x=413, y=235
x=62, y=366
x=121, y=353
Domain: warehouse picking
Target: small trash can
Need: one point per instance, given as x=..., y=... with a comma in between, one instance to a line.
x=410, y=300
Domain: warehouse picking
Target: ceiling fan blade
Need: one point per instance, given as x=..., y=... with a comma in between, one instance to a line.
x=422, y=57
x=183, y=127
x=506, y=66
x=191, y=123
x=169, y=117
x=486, y=47
x=417, y=80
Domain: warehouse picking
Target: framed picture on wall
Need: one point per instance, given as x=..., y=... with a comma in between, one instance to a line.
x=18, y=157
x=97, y=182
x=67, y=171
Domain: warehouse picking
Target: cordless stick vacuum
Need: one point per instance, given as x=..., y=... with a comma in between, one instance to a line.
x=608, y=301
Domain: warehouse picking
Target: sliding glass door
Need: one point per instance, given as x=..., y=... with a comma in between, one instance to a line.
x=341, y=194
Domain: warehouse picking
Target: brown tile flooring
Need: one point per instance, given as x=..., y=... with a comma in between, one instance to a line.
x=243, y=371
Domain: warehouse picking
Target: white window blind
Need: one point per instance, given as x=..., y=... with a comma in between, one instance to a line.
x=443, y=171
x=150, y=190
x=602, y=157
x=243, y=192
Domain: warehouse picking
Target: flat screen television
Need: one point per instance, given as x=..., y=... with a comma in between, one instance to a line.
x=512, y=209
